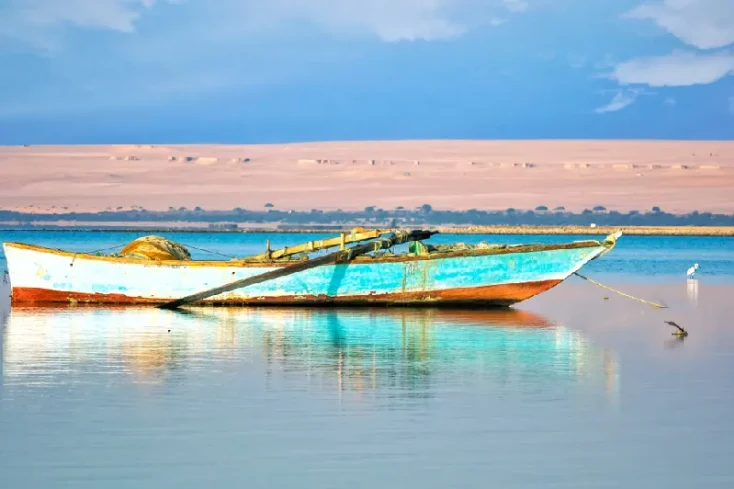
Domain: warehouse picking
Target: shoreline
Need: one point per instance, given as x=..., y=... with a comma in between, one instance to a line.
x=704, y=231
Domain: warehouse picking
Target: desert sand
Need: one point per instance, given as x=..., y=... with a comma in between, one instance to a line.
x=678, y=176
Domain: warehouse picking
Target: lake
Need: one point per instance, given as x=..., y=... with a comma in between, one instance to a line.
x=577, y=387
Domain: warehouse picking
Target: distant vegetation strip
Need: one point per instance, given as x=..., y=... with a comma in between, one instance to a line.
x=556, y=221
x=603, y=230
x=718, y=231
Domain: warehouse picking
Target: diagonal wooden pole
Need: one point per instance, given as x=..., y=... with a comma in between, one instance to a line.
x=341, y=256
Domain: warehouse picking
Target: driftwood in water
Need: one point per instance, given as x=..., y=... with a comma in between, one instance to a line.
x=681, y=332
x=341, y=256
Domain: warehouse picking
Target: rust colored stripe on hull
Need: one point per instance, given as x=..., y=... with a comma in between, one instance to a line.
x=491, y=295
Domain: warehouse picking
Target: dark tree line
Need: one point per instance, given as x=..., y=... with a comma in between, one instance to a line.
x=424, y=215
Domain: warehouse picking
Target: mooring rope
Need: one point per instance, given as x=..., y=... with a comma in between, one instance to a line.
x=77, y=253
x=659, y=306
x=209, y=251
x=125, y=244
x=103, y=249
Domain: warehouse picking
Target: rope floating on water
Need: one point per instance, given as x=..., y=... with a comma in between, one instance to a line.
x=659, y=306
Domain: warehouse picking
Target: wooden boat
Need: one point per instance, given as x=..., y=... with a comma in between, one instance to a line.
x=157, y=271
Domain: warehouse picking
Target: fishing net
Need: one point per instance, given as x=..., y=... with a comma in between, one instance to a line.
x=422, y=248
x=155, y=248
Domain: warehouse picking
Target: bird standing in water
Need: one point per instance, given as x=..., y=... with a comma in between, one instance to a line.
x=692, y=271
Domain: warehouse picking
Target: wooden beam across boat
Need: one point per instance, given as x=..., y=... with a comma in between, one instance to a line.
x=355, y=236
x=341, y=256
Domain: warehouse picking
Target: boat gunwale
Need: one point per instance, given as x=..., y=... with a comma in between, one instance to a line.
x=400, y=258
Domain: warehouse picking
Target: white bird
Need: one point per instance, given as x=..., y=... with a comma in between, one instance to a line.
x=692, y=271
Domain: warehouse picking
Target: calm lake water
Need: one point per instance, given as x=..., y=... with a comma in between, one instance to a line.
x=568, y=389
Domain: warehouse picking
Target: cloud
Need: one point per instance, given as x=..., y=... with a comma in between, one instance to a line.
x=515, y=5
x=705, y=24
x=731, y=104
x=622, y=98
x=35, y=21
x=576, y=62
x=70, y=56
x=679, y=69
x=32, y=21
x=670, y=101
x=117, y=15
x=390, y=20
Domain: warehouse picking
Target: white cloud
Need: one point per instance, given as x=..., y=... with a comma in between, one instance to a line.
x=622, y=98
x=515, y=5
x=35, y=21
x=678, y=69
x=670, y=101
x=116, y=53
x=390, y=20
x=619, y=102
x=393, y=20
x=705, y=24
x=118, y=15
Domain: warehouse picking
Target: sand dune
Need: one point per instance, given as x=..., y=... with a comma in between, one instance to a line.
x=679, y=176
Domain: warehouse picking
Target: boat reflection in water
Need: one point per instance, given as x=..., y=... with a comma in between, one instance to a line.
x=403, y=350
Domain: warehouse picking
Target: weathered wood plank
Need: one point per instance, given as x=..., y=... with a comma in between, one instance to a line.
x=317, y=245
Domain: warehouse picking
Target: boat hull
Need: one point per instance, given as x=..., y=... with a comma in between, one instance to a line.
x=487, y=296
x=41, y=276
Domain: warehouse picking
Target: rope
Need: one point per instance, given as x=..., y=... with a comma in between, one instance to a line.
x=208, y=251
x=125, y=244
x=103, y=249
x=620, y=292
x=94, y=251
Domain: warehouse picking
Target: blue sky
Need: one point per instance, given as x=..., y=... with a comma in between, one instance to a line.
x=245, y=71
